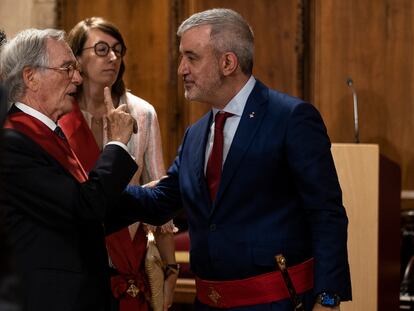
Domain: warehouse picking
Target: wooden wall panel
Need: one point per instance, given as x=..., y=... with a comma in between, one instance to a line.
x=151, y=56
x=342, y=41
x=371, y=181
x=149, y=30
x=277, y=25
x=372, y=42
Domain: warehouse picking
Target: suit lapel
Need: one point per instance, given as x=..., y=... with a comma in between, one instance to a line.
x=200, y=152
x=250, y=121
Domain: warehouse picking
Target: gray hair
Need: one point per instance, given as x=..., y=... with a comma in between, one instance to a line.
x=230, y=32
x=26, y=49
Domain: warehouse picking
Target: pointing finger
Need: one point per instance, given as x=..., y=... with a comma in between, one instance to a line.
x=108, y=100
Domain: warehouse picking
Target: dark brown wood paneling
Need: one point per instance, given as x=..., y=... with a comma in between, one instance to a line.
x=372, y=42
x=277, y=25
x=148, y=30
x=389, y=235
x=343, y=41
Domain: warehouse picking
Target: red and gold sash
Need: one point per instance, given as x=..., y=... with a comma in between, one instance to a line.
x=130, y=286
x=80, y=137
x=58, y=148
x=259, y=289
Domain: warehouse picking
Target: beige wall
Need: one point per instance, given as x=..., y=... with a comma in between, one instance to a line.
x=16, y=15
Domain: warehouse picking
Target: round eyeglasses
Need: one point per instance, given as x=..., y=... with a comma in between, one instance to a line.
x=102, y=49
x=70, y=69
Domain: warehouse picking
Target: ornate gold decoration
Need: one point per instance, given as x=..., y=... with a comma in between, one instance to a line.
x=132, y=289
x=214, y=295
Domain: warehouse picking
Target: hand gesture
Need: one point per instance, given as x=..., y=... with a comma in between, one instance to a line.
x=120, y=123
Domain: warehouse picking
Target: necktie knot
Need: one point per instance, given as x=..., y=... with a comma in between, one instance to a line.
x=59, y=132
x=220, y=119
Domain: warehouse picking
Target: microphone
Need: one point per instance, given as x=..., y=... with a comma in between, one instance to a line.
x=350, y=83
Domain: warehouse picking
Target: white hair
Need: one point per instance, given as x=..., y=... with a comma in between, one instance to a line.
x=26, y=49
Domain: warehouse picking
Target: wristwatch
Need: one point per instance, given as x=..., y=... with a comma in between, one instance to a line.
x=328, y=299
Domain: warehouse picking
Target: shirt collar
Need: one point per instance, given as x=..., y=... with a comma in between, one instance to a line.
x=37, y=114
x=237, y=103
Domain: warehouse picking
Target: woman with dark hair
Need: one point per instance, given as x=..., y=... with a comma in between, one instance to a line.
x=99, y=48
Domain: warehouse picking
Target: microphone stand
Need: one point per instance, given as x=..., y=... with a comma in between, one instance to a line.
x=350, y=83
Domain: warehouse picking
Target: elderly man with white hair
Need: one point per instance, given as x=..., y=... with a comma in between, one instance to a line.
x=56, y=215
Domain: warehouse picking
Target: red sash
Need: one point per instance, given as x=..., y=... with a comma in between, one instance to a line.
x=130, y=286
x=127, y=255
x=263, y=288
x=80, y=137
x=58, y=148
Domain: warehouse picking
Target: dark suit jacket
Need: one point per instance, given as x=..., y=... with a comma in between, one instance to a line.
x=279, y=193
x=56, y=225
x=9, y=286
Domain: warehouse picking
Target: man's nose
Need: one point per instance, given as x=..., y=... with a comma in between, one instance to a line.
x=77, y=78
x=182, y=68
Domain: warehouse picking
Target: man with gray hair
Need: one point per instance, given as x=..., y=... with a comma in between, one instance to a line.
x=55, y=214
x=256, y=178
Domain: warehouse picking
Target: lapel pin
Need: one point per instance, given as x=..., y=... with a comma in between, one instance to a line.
x=251, y=115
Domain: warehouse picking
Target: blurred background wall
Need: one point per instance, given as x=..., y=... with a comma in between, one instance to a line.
x=16, y=15
x=308, y=48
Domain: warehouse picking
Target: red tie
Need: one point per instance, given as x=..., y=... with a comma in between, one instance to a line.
x=215, y=161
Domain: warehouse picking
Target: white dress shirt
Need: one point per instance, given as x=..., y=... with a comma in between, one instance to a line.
x=236, y=107
x=37, y=114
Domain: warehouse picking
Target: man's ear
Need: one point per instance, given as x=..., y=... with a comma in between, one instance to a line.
x=30, y=78
x=229, y=63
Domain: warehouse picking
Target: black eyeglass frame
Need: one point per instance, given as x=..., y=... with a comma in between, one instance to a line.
x=119, y=53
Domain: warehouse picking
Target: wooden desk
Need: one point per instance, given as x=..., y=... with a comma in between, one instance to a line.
x=371, y=187
x=185, y=291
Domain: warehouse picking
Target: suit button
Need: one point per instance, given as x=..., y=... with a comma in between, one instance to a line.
x=212, y=227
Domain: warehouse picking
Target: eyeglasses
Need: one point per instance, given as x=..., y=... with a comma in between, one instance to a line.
x=102, y=49
x=70, y=69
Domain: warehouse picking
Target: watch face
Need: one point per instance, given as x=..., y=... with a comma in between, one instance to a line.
x=329, y=300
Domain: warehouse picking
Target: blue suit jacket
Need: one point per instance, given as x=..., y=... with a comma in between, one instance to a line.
x=279, y=193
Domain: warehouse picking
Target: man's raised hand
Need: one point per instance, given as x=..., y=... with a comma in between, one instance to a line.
x=120, y=123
